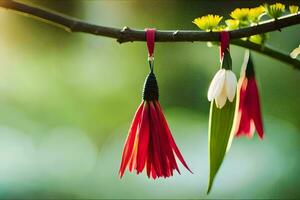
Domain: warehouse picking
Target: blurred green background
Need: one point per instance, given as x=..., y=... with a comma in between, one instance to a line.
x=67, y=100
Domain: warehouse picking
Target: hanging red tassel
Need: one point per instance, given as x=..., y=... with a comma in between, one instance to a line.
x=149, y=142
x=249, y=110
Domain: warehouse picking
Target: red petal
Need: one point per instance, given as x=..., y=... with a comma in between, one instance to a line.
x=168, y=152
x=133, y=158
x=244, y=123
x=153, y=173
x=149, y=160
x=128, y=147
x=170, y=137
x=243, y=118
x=156, y=143
x=162, y=144
x=143, y=139
x=254, y=107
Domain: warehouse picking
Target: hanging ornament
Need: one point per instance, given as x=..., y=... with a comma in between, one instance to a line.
x=221, y=115
x=149, y=143
x=249, y=113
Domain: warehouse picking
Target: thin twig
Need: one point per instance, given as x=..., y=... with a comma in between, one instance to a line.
x=129, y=35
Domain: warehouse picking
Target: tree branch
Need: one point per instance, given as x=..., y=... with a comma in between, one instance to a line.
x=267, y=50
x=126, y=34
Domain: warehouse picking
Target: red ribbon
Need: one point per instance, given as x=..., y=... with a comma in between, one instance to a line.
x=225, y=40
x=150, y=37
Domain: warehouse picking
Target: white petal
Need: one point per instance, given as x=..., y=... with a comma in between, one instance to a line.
x=221, y=99
x=245, y=62
x=231, y=84
x=295, y=52
x=216, y=85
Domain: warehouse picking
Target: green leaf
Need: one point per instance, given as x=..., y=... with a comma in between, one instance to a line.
x=219, y=133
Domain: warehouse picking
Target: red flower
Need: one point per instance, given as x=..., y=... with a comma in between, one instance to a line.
x=149, y=143
x=249, y=112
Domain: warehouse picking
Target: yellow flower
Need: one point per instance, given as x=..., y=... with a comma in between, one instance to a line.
x=240, y=14
x=275, y=10
x=219, y=28
x=208, y=22
x=293, y=9
x=256, y=13
x=232, y=24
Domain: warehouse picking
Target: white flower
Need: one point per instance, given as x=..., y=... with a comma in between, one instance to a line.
x=222, y=86
x=295, y=52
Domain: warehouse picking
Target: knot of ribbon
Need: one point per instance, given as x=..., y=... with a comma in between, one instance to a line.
x=150, y=38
